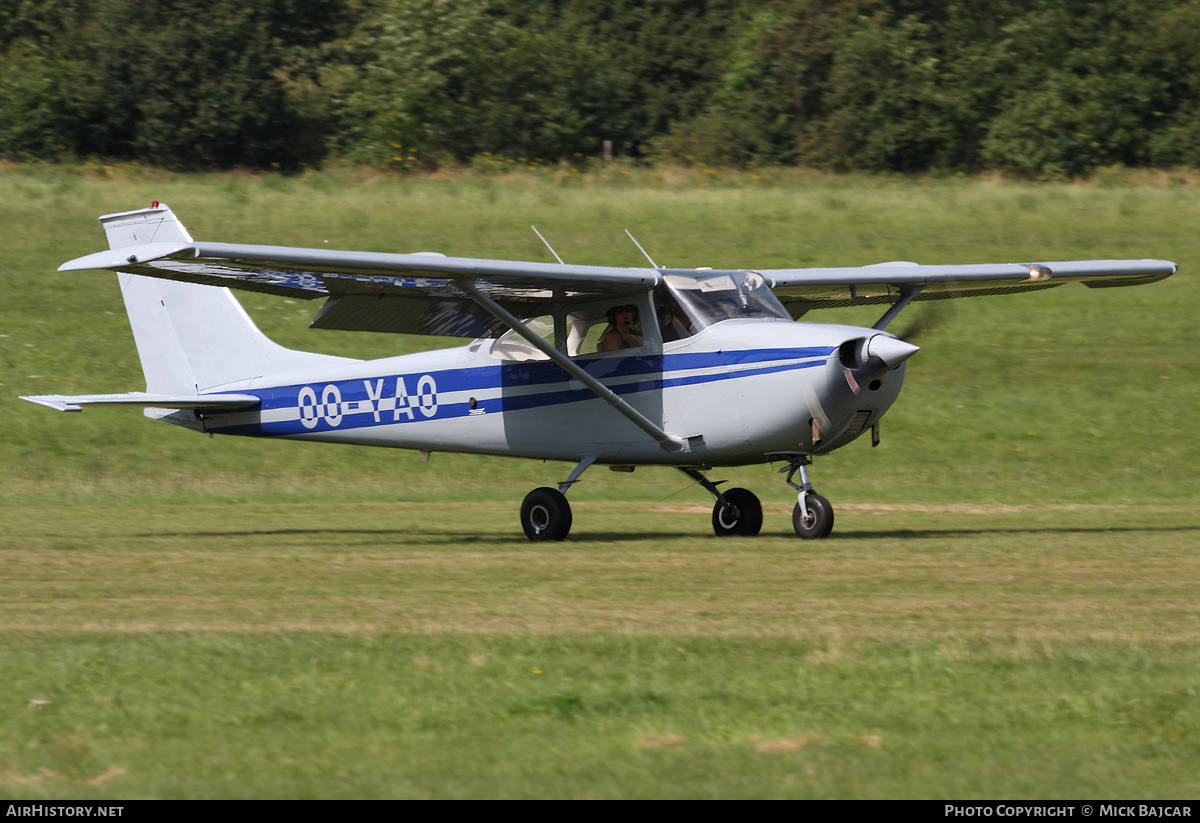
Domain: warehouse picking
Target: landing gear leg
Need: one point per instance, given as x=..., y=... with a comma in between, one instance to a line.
x=545, y=512
x=737, y=512
x=813, y=516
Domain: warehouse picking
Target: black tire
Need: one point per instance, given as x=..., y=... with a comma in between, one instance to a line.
x=819, y=522
x=545, y=515
x=741, y=516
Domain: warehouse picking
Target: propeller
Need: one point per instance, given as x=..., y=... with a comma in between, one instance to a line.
x=937, y=310
x=926, y=321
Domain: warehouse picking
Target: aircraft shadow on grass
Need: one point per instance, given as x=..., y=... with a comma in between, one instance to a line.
x=409, y=536
x=920, y=534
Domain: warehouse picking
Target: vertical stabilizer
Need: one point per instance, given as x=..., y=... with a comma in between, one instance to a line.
x=192, y=338
x=157, y=224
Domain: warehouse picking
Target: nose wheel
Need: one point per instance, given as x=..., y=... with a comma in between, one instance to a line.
x=812, y=518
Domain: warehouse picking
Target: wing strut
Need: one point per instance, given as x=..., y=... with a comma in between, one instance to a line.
x=670, y=442
x=906, y=297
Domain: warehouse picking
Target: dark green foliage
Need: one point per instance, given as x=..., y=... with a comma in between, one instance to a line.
x=1034, y=88
x=1030, y=87
x=553, y=80
x=44, y=87
x=171, y=82
x=42, y=112
x=43, y=22
x=1090, y=96
x=769, y=103
x=1173, y=38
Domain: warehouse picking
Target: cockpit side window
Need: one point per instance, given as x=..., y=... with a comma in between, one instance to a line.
x=511, y=346
x=606, y=328
x=596, y=328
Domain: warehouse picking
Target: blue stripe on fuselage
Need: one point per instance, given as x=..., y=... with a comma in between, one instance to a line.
x=403, y=398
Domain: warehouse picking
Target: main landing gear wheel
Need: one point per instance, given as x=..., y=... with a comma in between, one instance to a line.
x=818, y=522
x=740, y=515
x=546, y=515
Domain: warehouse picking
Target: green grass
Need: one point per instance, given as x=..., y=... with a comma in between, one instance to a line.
x=1007, y=608
x=425, y=651
x=321, y=715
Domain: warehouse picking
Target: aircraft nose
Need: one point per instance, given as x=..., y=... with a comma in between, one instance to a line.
x=891, y=350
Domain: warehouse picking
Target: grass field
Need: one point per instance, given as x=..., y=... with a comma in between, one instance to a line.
x=1008, y=606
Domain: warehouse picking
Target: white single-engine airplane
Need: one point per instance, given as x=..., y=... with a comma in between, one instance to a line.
x=621, y=367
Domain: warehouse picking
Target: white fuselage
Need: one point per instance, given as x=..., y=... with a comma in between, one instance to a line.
x=735, y=392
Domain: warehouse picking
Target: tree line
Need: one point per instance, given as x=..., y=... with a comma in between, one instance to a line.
x=1029, y=87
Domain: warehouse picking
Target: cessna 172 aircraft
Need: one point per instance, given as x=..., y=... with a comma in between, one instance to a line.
x=595, y=365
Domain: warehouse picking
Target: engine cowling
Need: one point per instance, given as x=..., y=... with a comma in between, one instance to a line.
x=861, y=383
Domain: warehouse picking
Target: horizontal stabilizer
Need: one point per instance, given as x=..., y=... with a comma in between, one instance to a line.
x=211, y=402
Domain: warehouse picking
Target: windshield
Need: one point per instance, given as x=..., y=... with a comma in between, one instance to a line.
x=710, y=297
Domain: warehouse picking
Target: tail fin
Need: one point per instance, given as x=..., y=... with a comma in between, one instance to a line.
x=156, y=224
x=192, y=338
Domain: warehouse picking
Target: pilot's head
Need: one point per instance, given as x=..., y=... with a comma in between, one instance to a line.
x=614, y=313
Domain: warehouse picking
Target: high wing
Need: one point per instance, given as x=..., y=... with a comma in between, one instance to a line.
x=421, y=293
x=801, y=290
x=428, y=293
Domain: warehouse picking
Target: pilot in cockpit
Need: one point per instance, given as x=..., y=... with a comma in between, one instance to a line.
x=623, y=332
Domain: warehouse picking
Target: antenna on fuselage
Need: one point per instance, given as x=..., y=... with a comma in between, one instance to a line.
x=639, y=245
x=543, y=239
